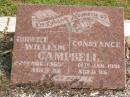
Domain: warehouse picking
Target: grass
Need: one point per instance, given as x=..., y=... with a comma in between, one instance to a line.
x=8, y=7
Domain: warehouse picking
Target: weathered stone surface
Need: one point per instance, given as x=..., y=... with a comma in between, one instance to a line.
x=76, y=46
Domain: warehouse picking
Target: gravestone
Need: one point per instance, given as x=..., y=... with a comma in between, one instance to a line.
x=77, y=46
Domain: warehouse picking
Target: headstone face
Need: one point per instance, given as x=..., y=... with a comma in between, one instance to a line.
x=74, y=45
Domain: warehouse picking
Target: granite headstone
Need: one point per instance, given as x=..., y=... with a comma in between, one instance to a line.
x=75, y=45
